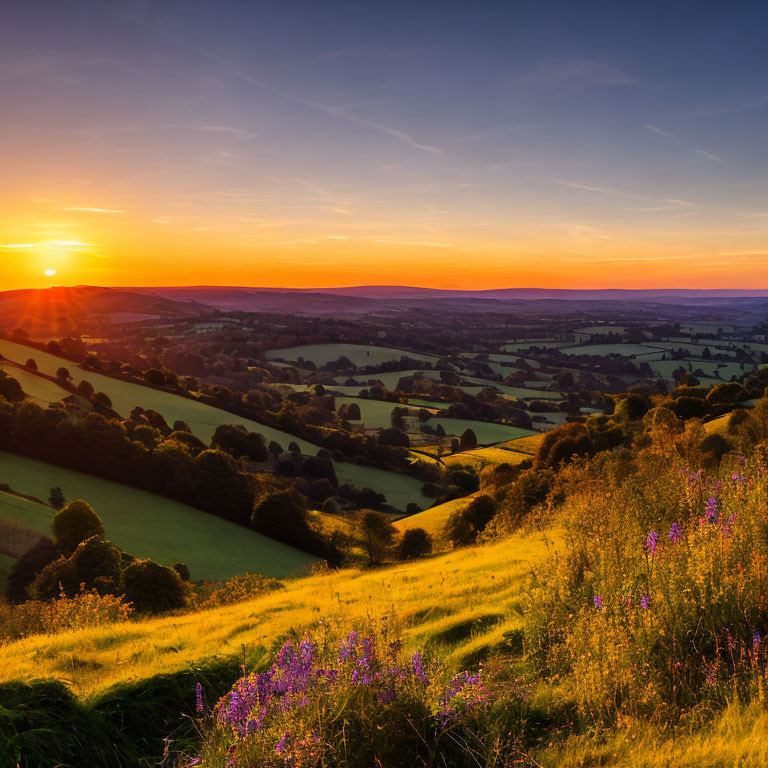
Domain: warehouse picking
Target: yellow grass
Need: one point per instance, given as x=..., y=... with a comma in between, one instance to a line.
x=472, y=593
x=433, y=520
x=529, y=444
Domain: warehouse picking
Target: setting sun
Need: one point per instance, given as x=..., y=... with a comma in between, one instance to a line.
x=50, y=272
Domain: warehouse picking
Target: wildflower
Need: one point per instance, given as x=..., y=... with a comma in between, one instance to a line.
x=738, y=477
x=282, y=745
x=598, y=601
x=711, y=510
x=199, y=707
x=285, y=652
x=650, y=542
x=645, y=602
x=756, y=641
x=728, y=526
x=675, y=533
x=418, y=670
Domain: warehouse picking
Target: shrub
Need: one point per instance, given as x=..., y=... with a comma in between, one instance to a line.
x=75, y=523
x=153, y=588
x=415, y=542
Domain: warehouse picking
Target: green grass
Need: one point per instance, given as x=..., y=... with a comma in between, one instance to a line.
x=360, y=355
x=42, y=390
x=487, y=433
x=376, y=413
x=611, y=349
x=147, y=525
x=203, y=419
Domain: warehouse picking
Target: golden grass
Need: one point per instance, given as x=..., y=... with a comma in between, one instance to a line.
x=529, y=444
x=459, y=601
x=433, y=520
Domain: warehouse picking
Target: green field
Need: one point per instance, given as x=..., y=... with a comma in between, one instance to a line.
x=611, y=349
x=359, y=354
x=203, y=420
x=42, y=390
x=376, y=413
x=487, y=432
x=147, y=525
x=418, y=402
x=667, y=367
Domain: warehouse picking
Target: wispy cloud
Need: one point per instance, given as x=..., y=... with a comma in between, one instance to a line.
x=17, y=245
x=226, y=130
x=339, y=112
x=600, y=190
x=700, y=152
x=93, y=210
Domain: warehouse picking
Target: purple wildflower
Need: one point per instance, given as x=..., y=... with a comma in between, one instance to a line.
x=756, y=641
x=650, y=542
x=738, y=477
x=645, y=602
x=418, y=670
x=711, y=510
x=675, y=533
x=199, y=706
x=598, y=601
x=282, y=745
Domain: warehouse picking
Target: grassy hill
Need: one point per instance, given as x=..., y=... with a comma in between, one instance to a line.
x=147, y=525
x=464, y=602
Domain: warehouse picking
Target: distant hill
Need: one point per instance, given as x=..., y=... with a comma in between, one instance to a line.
x=61, y=311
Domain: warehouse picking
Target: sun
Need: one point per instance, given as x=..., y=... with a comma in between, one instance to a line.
x=50, y=272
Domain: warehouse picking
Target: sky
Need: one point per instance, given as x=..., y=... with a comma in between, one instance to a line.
x=482, y=144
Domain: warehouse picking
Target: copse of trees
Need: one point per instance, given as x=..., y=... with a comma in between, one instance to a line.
x=73, y=524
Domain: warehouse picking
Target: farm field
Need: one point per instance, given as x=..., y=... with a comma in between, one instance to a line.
x=519, y=346
x=39, y=389
x=485, y=457
x=376, y=413
x=360, y=355
x=417, y=402
x=487, y=432
x=726, y=370
x=151, y=526
x=529, y=445
x=203, y=420
x=626, y=350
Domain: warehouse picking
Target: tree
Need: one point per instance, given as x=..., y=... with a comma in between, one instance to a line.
x=56, y=499
x=237, y=441
x=101, y=400
x=97, y=562
x=632, y=407
x=468, y=440
x=153, y=588
x=75, y=523
x=154, y=377
x=416, y=542
x=466, y=524
x=378, y=533
x=24, y=571
x=10, y=388
x=31, y=364
x=63, y=374
x=85, y=388
x=57, y=577
x=91, y=363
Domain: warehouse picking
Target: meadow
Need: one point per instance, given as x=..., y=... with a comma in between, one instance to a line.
x=359, y=354
x=487, y=433
x=203, y=419
x=147, y=525
x=462, y=602
x=42, y=391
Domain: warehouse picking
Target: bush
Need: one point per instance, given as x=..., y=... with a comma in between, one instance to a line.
x=464, y=525
x=152, y=588
x=97, y=560
x=73, y=524
x=415, y=542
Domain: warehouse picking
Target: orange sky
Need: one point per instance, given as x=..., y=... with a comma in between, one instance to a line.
x=591, y=147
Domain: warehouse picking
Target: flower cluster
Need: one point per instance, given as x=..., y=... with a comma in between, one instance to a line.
x=281, y=711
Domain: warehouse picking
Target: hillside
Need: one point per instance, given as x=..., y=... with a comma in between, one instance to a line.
x=147, y=525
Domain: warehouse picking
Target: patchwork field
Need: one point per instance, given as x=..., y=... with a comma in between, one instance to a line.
x=360, y=355
x=147, y=525
x=203, y=420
